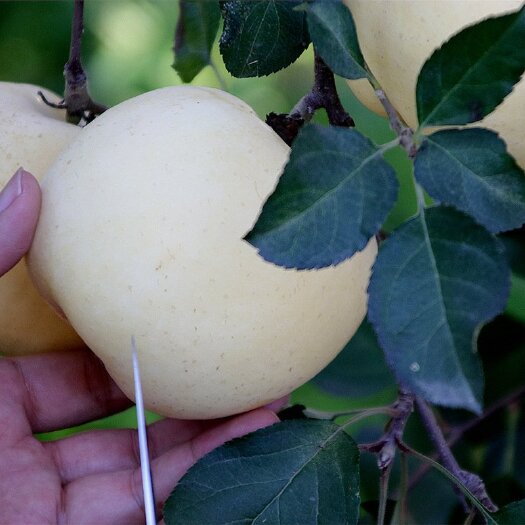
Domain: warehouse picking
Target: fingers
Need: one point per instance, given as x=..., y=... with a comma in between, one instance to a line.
x=116, y=497
x=170, y=467
x=105, y=451
x=19, y=210
x=54, y=391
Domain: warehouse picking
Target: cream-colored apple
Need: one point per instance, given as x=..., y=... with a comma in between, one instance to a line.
x=31, y=135
x=397, y=36
x=141, y=235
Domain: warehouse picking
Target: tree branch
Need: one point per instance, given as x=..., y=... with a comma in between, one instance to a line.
x=472, y=481
x=457, y=433
x=77, y=101
x=387, y=445
x=322, y=95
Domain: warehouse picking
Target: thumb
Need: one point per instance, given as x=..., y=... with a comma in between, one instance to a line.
x=19, y=210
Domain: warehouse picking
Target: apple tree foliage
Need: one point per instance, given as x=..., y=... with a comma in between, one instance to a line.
x=438, y=278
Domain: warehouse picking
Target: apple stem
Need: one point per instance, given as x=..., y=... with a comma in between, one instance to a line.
x=322, y=95
x=77, y=101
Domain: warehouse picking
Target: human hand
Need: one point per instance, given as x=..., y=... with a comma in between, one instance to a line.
x=93, y=477
x=19, y=210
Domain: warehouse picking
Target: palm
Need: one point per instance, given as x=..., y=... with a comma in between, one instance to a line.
x=91, y=477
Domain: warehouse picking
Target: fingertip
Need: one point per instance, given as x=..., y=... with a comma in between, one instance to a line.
x=252, y=421
x=279, y=404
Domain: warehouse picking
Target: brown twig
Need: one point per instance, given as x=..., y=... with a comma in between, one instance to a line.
x=472, y=481
x=457, y=433
x=387, y=445
x=77, y=101
x=322, y=95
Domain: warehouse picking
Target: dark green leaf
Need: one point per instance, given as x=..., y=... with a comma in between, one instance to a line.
x=471, y=170
x=333, y=34
x=296, y=472
x=473, y=72
x=196, y=30
x=262, y=36
x=359, y=370
x=432, y=500
x=436, y=280
x=334, y=194
x=512, y=514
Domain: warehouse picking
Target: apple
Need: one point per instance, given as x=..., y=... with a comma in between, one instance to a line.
x=31, y=135
x=396, y=38
x=141, y=235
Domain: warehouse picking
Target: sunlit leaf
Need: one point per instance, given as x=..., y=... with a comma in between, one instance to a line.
x=196, y=30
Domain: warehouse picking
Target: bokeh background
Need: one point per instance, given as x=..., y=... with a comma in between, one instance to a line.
x=127, y=50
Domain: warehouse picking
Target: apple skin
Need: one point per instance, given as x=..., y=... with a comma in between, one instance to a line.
x=31, y=135
x=396, y=38
x=141, y=235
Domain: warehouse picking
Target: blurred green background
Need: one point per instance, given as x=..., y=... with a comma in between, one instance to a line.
x=127, y=50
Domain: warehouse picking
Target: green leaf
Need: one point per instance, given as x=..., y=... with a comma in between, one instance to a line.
x=334, y=194
x=296, y=472
x=471, y=170
x=334, y=36
x=262, y=36
x=436, y=280
x=196, y=30
x=359, y=370
x=511, y=514
x=473, y=72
